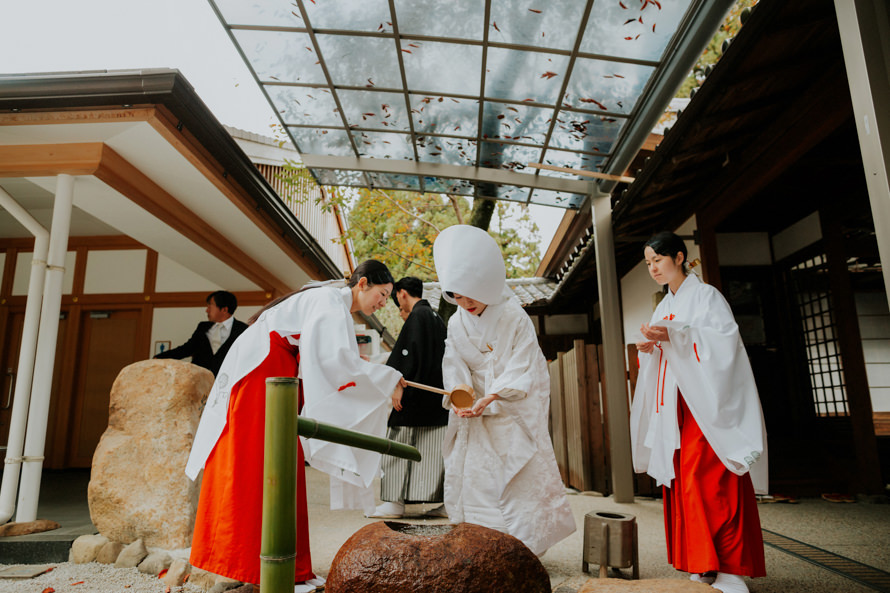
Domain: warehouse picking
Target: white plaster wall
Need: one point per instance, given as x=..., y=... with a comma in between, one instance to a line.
x=637, y=302
x=22, y=276
x=565, y=324
x=177, y=324
x=802, y=233
x=115, y=271
x=744, y=249
x=874, y=327
x=267, y=154
x=173, y=277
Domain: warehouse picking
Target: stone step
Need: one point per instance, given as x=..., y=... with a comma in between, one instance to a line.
x=20, y=550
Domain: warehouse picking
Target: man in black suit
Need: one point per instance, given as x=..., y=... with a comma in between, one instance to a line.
x=422, y=421
x=213, y=338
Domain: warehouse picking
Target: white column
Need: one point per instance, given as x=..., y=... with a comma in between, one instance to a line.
x=865, y=38
x=618, y=410
x=35, y=438
x=27, y=351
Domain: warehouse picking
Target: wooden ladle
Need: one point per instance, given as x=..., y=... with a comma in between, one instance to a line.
x=461, y=396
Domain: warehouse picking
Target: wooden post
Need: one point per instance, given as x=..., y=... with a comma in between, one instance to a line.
x=615, y=374
x=558, y=419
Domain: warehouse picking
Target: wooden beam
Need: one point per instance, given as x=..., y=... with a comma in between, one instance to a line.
x=188, y=146
x=123, y=177
x=795, y=131
x=868, y=463
x=94, y=242
x=42, y=160
x=582, y=173
x=14, y=162
x=98, y=115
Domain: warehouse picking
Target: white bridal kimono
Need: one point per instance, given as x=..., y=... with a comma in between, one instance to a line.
x=339, y=387
x=706, y=361
x=500, y=470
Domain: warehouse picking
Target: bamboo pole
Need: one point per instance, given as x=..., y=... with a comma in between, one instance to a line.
x=278, y=544
x=310, y=428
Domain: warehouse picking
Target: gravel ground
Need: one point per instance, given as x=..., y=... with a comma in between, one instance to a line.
x=91, y=578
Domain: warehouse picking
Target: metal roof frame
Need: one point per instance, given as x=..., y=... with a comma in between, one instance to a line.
x=477, y=165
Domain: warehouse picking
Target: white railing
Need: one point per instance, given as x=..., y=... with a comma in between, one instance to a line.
x=305, y=198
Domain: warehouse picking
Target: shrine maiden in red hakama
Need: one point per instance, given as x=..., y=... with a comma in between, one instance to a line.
x=697, y=428
x=310, y=333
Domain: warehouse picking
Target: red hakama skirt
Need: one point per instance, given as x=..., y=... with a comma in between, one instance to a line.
x=710, y=514
x=228, y=525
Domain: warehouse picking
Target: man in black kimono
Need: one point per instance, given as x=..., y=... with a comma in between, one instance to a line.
x=212, y=339
x=422, y=421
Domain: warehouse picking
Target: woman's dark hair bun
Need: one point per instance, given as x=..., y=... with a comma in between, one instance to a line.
x=669, y=244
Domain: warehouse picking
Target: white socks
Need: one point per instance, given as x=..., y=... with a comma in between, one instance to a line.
x=388, y=510
x=309, y=586
x=729, y=583
x=705, y=577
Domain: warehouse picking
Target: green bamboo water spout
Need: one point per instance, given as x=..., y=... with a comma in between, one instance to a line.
x=278, y=549
x=313, y=429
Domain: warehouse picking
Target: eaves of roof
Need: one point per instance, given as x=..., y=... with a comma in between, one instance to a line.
x=777, y=90
x=167, y=87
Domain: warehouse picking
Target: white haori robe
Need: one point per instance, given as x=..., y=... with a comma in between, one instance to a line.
x=706, y=361
x=500, y=470
x=339, y=387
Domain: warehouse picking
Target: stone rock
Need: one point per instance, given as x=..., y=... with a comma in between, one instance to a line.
x=615, y=585
x=132, y=555
x=155, y=562
x=177, y=573
x=389, y=557
x=225, y=585
x=138, y=488
x=202, y=579
x=109, y=553
x=27, y=527
x=86, y=547
x=206, y=581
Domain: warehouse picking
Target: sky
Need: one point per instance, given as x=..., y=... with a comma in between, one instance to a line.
x=79, y=35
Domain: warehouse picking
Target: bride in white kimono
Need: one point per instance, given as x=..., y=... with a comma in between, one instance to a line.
x=500, y=470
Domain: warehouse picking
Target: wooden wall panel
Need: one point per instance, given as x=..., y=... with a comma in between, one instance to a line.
x=577, y=423
x=643, y=484
x=558, y=419
x=600, y=468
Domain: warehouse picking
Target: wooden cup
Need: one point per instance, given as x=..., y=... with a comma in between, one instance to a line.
x=461, y=396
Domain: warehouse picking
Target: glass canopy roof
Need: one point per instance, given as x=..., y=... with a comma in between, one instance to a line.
x=461, y=96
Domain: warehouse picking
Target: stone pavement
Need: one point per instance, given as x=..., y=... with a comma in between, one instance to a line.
x=859, y=531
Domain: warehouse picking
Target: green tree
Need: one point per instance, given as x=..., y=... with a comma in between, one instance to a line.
x=400, y=227
x=730, y=27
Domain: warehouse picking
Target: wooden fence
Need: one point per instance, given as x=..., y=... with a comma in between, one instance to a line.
x=578, y=419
